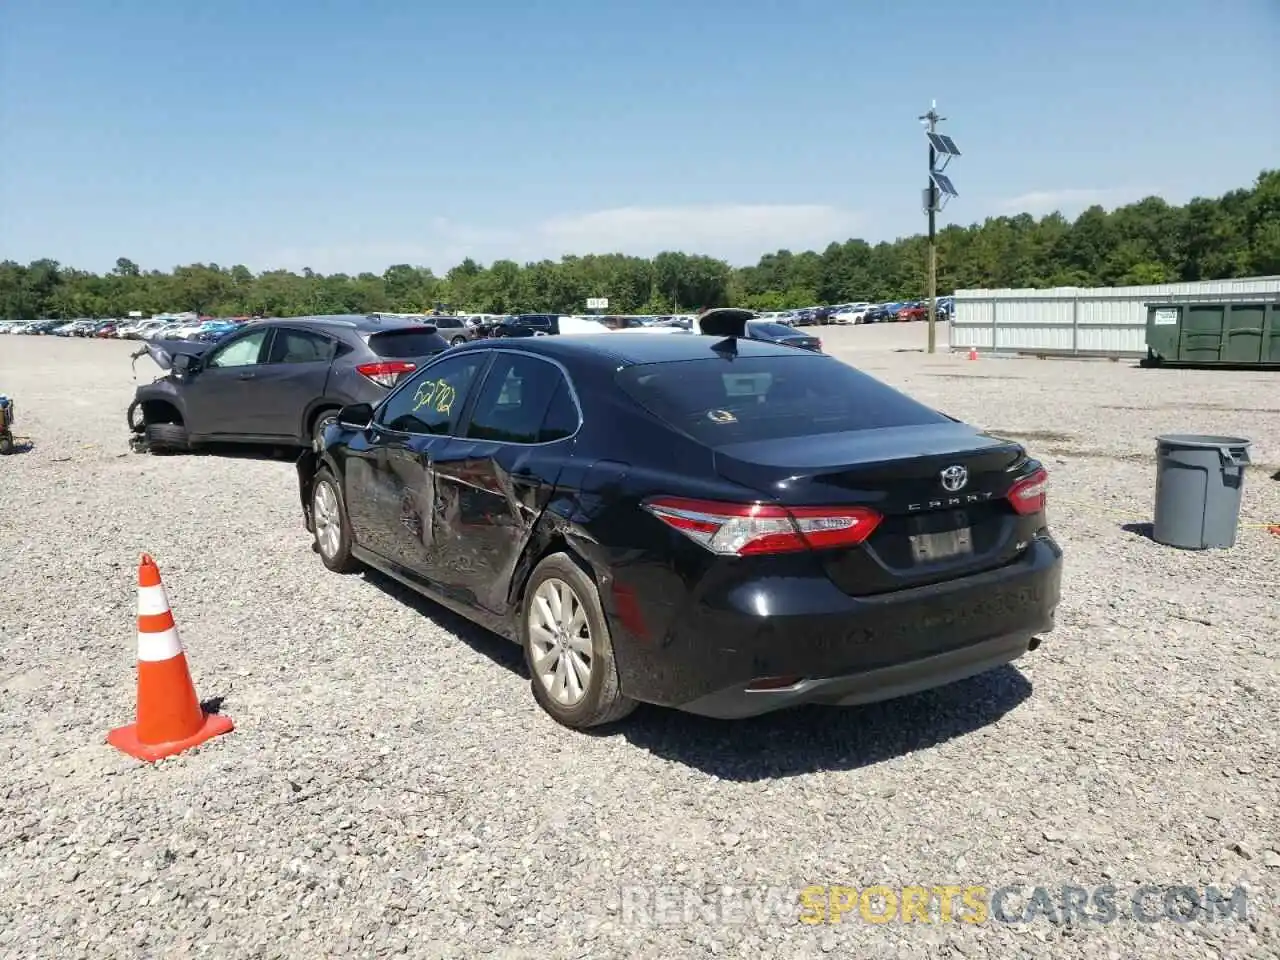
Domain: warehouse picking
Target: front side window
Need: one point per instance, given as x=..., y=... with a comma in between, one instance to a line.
x=432, y=400
x=514, y=401
x=241, y=352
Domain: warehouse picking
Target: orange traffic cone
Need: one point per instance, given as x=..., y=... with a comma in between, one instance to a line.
x=973, y=353
x=169, y=718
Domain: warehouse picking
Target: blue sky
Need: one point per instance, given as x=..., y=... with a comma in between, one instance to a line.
x=351, y=135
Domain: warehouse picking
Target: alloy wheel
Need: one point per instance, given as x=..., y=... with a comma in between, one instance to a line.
x=328, y=519
x=560, y=641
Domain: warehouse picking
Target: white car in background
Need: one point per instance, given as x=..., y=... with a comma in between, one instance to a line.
x=578, y=326
x=852, y=313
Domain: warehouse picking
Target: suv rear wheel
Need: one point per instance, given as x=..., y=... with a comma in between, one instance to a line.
x=322, y=423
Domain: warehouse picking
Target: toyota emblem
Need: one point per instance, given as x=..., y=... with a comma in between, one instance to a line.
x=954, y=478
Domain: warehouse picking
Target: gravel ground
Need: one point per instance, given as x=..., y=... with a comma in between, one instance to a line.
x=392, y=788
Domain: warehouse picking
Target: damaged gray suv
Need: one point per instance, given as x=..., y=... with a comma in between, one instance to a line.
x=278, y=382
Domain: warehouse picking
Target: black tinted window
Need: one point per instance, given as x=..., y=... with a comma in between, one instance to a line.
x=514, y=401
x=432, y=400
x=769, y=330
x=299, y=346
x=407, y=344
x=763, y=398
x=562, y=416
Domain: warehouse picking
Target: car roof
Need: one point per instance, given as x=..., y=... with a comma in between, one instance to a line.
x=627, y=349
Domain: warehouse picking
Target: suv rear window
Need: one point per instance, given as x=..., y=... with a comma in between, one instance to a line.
x=767, y=398
x=407, y=343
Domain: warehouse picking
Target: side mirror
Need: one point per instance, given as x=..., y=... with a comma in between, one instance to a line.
x=356, y=416
x=185, y=364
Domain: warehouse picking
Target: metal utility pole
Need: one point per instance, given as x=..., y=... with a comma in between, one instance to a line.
x=936, y=194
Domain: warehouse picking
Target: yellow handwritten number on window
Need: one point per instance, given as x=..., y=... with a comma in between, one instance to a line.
x=436, y=394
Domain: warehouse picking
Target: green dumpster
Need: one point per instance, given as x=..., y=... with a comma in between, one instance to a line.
x=1218, y=333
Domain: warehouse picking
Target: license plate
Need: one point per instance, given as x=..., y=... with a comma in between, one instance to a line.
x=929, y=547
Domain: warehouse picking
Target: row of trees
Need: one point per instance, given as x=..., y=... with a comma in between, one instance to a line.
x=1151, y=241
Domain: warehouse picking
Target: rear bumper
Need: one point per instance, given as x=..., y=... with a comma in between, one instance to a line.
x=839, y=649
x=886, y=683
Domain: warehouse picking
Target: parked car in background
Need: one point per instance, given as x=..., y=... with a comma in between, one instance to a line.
x=780, y=333
x=852, y=313
x=456, y=330
x=724, y=526
x=275, y=381
x=215, y=331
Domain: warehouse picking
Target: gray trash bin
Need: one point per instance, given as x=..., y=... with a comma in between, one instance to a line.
x=1198, y=485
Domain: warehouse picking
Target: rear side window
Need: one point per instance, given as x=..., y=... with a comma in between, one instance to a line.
x=299, y=346
x=514, y=401
x=408, y=343
x=562, y=417
x=766, y=398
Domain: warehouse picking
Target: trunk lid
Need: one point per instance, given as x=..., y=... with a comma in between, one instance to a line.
x=932, y=529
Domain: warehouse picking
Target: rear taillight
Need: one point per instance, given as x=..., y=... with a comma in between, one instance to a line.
x=749, y=529
x=386, y=373
x=1028, y=494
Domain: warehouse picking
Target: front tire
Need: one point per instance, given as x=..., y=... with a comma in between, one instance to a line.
x=332, y=526
x=167, y=438
x=137, y=421
x=568, y=649
x=457, y=341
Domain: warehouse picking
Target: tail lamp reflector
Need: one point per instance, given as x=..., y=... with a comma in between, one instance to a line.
x=386, y=373
x=748, y=529
x=1028, y=495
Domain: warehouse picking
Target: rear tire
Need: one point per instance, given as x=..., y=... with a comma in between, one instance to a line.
x=325, y=418
x=457, y=341
x=167, y=438
x=332, y=525
x=568, y=649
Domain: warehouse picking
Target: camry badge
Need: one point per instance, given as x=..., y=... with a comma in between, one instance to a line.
x=954, y=478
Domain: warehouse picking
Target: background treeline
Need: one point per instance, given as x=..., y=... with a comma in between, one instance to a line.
x=1235, y=235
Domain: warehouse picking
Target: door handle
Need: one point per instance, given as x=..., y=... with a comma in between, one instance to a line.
x=246, y=376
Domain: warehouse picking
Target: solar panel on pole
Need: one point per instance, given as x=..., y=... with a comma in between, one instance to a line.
x=944, y=184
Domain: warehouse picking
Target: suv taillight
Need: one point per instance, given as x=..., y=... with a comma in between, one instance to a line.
x=385, y=373
x=1028, y=495
x=750, y=529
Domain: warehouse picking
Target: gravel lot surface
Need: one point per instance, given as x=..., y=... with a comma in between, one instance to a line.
x=391, y=786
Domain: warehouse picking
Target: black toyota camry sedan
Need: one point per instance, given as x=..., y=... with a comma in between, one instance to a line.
x=710, y=523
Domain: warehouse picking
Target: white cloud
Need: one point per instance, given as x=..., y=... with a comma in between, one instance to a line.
x=1040, y=202
x=739, y=233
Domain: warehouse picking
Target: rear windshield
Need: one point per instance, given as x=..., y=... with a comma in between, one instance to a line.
x=404, y=344
x=720, y=402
